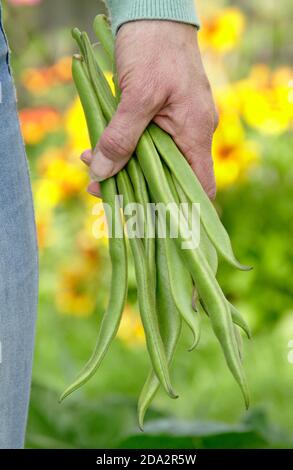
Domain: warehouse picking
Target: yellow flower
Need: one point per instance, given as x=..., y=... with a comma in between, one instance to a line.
x=73, y=295
x=75, y=126
x=47, y=194
x=109, y=77
x=70, y=177
x=265, y=97
x=131, y=330
x=63, y=170
x=95, y=227
x=44, y=228
x=72, y=303
x=222, y=31
x=233, y=153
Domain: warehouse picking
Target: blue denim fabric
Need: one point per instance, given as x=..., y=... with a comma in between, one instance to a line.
x=18, y=267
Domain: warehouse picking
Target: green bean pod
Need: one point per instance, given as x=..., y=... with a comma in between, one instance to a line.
x=146, y=296
x=209, y=250
x=168, y=318
x=117, y=248
x=206, y=245
x=181, y=283
x=239, y=342
x=182, y=171
x=212, y=258
x=142, y=197
x=143, y=275
x=206, y=284
x=236, y=318
x=103, y=32
x=239, y=320
x=170, y=327
x=99, y=82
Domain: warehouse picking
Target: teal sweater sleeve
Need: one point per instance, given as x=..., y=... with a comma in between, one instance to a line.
x=123, y=11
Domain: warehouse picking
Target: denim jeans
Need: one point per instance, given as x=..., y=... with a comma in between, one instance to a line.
x=18, y=266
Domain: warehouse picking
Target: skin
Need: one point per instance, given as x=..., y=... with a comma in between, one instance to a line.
x=162, y=78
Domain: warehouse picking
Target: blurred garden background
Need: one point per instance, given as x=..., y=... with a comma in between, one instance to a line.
x=246, y=49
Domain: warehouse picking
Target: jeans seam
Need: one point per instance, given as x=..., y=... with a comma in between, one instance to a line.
x=7, y=44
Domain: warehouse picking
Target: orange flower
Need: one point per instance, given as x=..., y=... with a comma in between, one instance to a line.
x=62, y=70
x=41, y=80
x=37, y=122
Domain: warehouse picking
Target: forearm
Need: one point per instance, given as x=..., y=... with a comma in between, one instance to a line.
x=123, y=11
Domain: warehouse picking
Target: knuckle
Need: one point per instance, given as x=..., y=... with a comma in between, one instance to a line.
x=212, y=192
x=145, y=100
x=205, y=112
x=146, y=93
x=115, y=143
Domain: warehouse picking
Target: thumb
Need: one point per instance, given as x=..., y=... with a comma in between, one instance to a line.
x=120, y=138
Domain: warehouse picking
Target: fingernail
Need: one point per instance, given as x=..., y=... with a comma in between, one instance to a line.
x=93, y=188
x=86, y=156
x=101, y=167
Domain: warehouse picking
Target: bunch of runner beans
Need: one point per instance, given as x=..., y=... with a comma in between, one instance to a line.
x=174, y=285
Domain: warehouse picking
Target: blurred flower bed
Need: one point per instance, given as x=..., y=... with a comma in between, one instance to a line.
x=253, y=162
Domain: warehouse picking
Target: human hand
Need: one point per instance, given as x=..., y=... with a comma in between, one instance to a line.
x=162, y=78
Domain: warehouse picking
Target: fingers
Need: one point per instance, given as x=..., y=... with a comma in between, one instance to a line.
x=86, y=157
x=198, y=155
x=120, y=138
x=196, y=145
x=94, y=187
x=192, y=128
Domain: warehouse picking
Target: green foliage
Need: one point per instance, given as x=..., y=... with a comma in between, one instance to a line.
x=111, y=423
x=258, y=216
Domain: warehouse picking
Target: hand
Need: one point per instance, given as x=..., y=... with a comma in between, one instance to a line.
x=162, y=78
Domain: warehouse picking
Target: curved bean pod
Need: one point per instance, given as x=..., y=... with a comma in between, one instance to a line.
x=118, y=291
x=239, y=320
x=101, y=87
x=170, y=327
x=239, y=342
x=180, y=280
x=142, y=197
x=206, y=284
x=206, y=245
x=212, y=258
x=181, y=286
x=182, y=171
x=146, y=296
x=103, y=32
